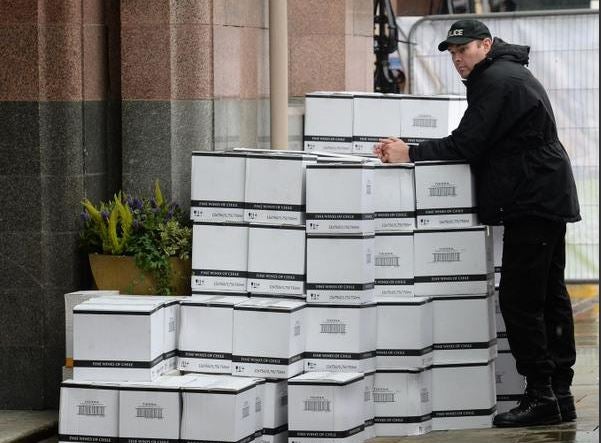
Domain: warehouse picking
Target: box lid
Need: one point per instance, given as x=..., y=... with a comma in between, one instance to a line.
x=326, y=378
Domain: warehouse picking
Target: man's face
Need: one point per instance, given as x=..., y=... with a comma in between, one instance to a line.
x=468, y=55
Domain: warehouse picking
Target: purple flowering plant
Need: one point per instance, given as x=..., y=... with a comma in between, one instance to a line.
x=150, y=229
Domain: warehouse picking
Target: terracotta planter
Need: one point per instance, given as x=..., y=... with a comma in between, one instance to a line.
x=120, y=272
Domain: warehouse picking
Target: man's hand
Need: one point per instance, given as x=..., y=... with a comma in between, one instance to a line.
x=392, y=150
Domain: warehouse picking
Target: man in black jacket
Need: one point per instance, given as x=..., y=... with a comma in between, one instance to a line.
x=524, y=181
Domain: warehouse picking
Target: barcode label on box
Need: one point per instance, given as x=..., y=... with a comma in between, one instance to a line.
x=94, y=410
x=150, y=412
x=446, y=255
x=442, y=190
x=383, y=397
x=333, y=328
x=387, y=261
x=317, y=405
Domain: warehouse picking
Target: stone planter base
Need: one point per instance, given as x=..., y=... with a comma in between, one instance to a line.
x=121, y=273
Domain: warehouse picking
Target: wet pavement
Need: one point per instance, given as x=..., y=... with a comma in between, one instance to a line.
x=37, y=426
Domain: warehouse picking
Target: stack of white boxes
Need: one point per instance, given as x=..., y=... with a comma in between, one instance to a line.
x=454, y=266
x=510, y=384
x=361, y=119
x=341, y=313
x=402, y=387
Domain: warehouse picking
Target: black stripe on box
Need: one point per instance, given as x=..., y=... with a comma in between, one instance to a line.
x=325, y=434
x=218, y=154
x=340, y=286
x=218, y=273
x=328, y=138
x=334, y=165
x=461, y=346
x=216, y=204
x=393, y=302
x=243, y=440
x=266, y=360
x=199, y=354
x=339, y=216
x=459, y=297
x=403, y=352
x=446, y=211
x=123, y=364
x=107, y=312
x=275, y=276
x=393, y=281
x=90, y=386
x=274, y=207
x=462, y=365
x=282, y=310
x=340, y=355
x=367, y=138
x=408, y=419
x=88, y=438
x=451, y=278
x=275, y=431
x=393, y=214
x=221, y=391
x=464, y=412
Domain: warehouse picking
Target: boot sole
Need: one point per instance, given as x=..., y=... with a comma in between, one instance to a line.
x=555, y=420
x=568, y=415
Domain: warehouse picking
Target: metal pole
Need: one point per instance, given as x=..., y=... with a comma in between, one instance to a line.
x=278, y=72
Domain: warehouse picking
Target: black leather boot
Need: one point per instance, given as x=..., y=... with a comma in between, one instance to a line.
x=565, y=400
x=538, y=406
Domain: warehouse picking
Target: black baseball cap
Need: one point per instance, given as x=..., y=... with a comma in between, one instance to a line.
x=464, y=31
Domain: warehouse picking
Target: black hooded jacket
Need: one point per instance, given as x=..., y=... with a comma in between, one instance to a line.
x=509, y=136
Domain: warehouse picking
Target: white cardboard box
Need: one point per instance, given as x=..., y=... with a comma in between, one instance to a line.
x=150, y=411
x=170, y=310
x=72, y=299
x=340, y=198
x=430, y=117
x=276, y=260
x=118, y=342
x=510, y=384
x=329, y=122
x=369, y=407
x=497, y=241
x=217, y=193
x=393, y=260
x=340, y=269
x=88, y=412
x=403, y=402
x=326, y=408
x=275, y=188
x=219, y=408
x=340, y=338
x=451, y=262
x=219, y=257
x=445, y=195
x=394, y=197
x=206, y=334
x=269, y=338
x=464, y=329
x=463, y=396
x=275, y=411
x=410, y=347
x=375, y=116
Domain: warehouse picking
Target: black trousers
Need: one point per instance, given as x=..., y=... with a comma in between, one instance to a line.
x=535, y=303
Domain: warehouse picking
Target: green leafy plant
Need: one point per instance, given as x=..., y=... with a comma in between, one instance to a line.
x=150, y=229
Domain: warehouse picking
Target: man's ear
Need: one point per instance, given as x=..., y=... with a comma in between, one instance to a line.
x=487, y=42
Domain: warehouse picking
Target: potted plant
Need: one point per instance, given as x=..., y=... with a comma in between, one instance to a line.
x=138, y=245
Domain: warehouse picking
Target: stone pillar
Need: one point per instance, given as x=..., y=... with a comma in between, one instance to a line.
x=53, y=153
x=330, y=45
x=167, y=90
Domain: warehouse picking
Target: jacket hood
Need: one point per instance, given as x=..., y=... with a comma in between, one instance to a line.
x=508, y=51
